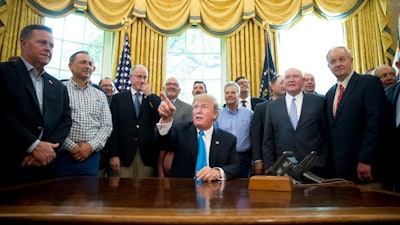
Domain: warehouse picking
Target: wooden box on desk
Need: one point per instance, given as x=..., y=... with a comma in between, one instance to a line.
x=271, y=183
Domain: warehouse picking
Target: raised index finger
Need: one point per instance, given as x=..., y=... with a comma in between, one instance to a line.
x=166, y=100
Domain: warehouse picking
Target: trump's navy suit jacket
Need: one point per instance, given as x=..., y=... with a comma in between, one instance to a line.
x=355, y=132
x=21, y=117
x=182, y=139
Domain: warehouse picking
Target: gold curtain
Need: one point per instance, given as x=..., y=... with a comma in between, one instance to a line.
x=369, y=35
x=246, y=51
x=9, y=36
x=147, y=48
x=220, y=18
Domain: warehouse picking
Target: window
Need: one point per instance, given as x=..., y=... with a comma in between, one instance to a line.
x=305, y=45
x=192, y=56
x=74, y=33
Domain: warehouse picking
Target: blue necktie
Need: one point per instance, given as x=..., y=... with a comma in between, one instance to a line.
x=137, y=103
x=293, y=113
x=201, y=154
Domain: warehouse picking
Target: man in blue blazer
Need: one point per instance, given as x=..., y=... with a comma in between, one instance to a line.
x=132, y=150
x=35, y=113
x=356, y=119
x=223, y=161
x=302, y=136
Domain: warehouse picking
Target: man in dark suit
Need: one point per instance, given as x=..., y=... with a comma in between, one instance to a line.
x=301, y=133
x=35, y=112
x=393, y=135
x=244, y=98
x=355, y=109
x=220, y=146
x=257, y=125
x=132, y=150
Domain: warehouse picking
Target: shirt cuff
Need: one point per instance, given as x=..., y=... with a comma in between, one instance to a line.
x=33, y=146
x=163, y=128
x=223, y=176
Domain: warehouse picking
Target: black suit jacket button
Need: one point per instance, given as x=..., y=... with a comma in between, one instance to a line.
x=137, y=126
x=40, y=128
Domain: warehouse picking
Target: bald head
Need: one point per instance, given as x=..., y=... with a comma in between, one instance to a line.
x=172, y=88
x=309, y=83
x=387, y=74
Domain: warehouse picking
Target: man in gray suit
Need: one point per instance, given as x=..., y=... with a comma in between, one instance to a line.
x=183, y=112
x=295, y=122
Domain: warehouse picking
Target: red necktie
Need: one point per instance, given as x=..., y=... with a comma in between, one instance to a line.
x=341, y=89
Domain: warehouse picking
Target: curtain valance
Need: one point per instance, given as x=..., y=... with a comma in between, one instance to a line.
x=219, y=18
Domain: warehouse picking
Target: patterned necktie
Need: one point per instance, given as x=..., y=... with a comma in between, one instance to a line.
x=244, y=103
x=137, y=103
x=201, y=154
x=293, y=113
x=341, y=89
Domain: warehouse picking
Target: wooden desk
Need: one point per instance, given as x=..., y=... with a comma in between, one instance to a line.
x=86, y=200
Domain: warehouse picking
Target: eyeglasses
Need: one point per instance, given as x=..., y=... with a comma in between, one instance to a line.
x=242, y=82
x=140, y=77
x=172, y=84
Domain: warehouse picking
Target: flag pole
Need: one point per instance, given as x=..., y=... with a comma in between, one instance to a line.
x=268, y=72
x=268, y=68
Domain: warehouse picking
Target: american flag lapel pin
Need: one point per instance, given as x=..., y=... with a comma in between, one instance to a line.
x=50, y=82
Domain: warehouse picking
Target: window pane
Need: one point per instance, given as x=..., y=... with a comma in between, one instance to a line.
x=305, y=46
x=74, y=33
x=212, y=66
x=74, y=23
x=192, y=56
x=194, y=65
x=194, y=41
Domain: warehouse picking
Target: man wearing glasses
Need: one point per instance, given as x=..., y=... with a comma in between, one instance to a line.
x=134, y=113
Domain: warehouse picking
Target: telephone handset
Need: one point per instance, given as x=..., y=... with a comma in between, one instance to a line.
x=287, y=165
x=304, y=166
x=283, y=164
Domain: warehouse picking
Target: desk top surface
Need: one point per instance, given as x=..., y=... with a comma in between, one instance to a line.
x=181, y=201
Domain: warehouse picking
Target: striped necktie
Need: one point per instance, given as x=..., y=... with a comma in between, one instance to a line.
x=293, y=113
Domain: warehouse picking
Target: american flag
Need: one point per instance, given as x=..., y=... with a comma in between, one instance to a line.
x=122, y=78
x=268, y=70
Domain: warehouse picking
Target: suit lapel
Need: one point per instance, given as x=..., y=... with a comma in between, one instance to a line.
x=177, y=106
x=304, y=110
x=214, y=147
x=27, y=81
x=127, y=97
x=192, y=138
x=47, y=88
x=283, y=108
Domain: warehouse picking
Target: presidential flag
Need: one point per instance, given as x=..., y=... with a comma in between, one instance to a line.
x=268, y=70
x=122, y=78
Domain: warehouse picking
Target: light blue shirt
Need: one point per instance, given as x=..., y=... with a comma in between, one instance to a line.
x=237, y=123
x=39, y=86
